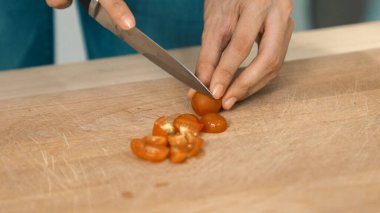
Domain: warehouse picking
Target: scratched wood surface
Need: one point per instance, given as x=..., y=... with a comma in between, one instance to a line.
x=309, y=142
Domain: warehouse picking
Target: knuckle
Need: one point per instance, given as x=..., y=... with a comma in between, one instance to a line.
x=273, y=75
x=227, y=72
x=244, y=87
x=117, y=5
x=242, y=45
x=273, y=62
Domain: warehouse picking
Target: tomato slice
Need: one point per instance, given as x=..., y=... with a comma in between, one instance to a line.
x=202, y=104
x=178, y=140
x=177, y=154
x=149, y=151
x=187, y=123
x=213, y=123
x=156, y=140
x=195, y=144
x=162, y=127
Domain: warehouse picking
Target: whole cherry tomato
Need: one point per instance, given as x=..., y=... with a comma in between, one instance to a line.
x=187, y=123
x=202, y=104
x=213, y=123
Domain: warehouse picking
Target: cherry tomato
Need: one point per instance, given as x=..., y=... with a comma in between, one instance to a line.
x=194, y=144
x=149, y=151
x=156, y=140
x=213, y=123
x=187, y=123
x=178, y=140
x=162, y=127
x=203, y=104
x=177, y=154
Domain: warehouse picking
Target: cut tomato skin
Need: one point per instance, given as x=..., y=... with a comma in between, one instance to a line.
x=187, y=123
x=195, y=145
x=213, y=123
x=177, y=140
x=177, y=155
x=156, y=140
x=177, y=137
x=162, y=127
x=202, y=104
x=148, y=151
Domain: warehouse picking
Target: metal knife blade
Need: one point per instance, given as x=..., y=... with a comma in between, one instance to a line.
x=146, y=46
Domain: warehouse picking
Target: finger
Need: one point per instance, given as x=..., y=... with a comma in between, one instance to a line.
x=191, y=93
x=215, y=37
x=120, y=13
x=236, y=52
x=59, y=4
x=265, y=66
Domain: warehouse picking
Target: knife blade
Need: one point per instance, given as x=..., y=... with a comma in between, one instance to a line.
x=146, y=46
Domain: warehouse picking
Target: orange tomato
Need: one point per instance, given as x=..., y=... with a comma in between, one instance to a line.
x=156, y=140
x=178, y=140
x=149, y=151
x=162, y=127
x=187, y=123
x=195, y=145
x=177, y=154
x=202, y=104
x=213, y=123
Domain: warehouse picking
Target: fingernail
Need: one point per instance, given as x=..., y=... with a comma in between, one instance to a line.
x=218, y=91
x=230, y=103
x=127, y=22
x=190, y=93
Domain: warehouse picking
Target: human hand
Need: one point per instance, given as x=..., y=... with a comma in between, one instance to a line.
x=117, y=9
x=230, y=31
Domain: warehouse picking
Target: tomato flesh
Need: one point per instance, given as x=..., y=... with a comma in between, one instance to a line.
x=195, y=145
x=149, y=151
x=213, y=123
x=202, y=104
x=177, y=155
x=162, y=127
x=187, y=123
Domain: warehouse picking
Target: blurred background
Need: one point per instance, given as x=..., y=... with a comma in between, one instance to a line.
x=69, y=45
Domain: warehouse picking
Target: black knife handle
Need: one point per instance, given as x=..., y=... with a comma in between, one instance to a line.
x=85, y=4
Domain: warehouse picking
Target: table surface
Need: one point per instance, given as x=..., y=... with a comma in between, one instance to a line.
x=308, y=142
x=104, y=72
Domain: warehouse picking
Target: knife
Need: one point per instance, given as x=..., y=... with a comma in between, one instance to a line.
x=146, y=46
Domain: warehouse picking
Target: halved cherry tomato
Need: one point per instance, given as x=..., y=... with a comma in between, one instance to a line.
x=203, y=104
x=187, y=123
x=162, y=127
x=213, y=123
x=195, y=144
x=149, y=151
x=177, y=154
x=178, y=140
x=156, y=140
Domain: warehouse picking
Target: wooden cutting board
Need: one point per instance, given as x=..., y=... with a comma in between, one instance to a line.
x=308, y=142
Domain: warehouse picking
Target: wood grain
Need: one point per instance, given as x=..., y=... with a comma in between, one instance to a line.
x=309, y=142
